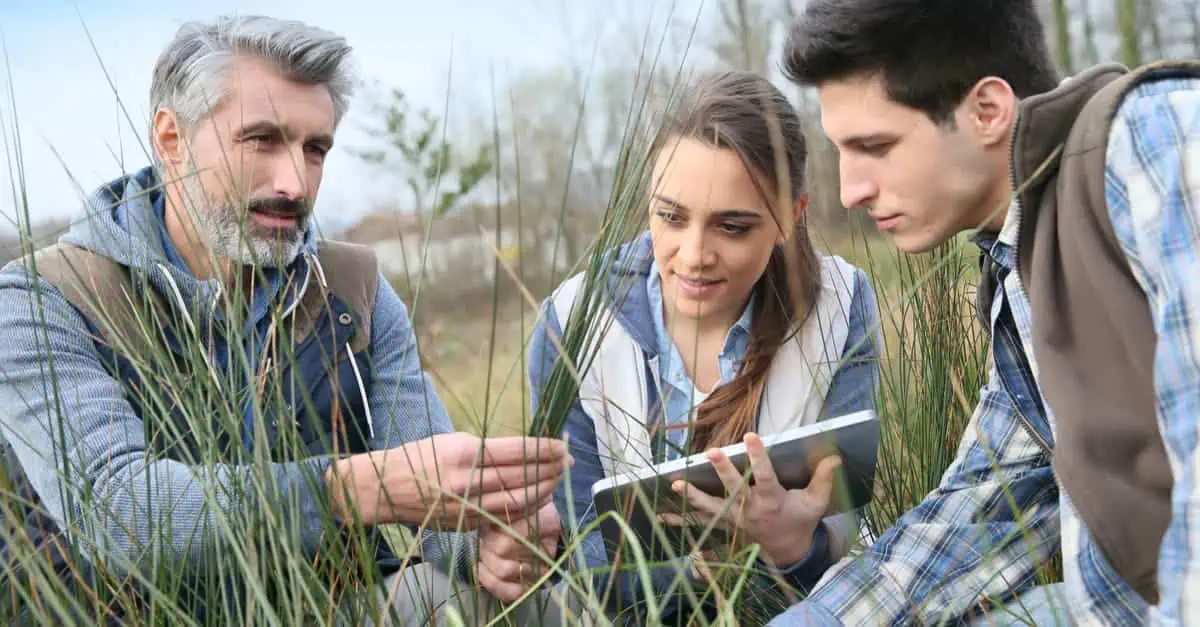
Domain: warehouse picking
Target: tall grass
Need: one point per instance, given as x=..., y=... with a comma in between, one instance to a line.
x=933, y=366
x=252, y=566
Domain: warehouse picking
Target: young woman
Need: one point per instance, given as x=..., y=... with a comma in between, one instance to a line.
x=725, y=324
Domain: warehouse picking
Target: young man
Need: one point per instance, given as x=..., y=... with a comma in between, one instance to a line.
x=948, y=116
x=190, y=371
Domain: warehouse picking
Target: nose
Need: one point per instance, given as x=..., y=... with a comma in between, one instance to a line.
x=695, y=252
x=289, y=178
x=857, y=190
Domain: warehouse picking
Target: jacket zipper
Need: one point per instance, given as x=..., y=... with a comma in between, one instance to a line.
x=1017, y=209
x=263, y=360
x=1028, y=424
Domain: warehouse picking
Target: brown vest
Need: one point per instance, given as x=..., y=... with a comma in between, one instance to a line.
x=98, y=287
x=1093, y=338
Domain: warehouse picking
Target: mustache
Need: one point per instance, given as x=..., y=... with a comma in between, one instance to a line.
x=280, y=205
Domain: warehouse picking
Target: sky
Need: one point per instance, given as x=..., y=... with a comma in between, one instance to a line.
x=74, y=79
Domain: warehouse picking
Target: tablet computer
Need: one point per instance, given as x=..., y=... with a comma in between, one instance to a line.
x=637, y=497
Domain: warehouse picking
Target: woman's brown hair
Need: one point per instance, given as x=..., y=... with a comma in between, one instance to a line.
x=743, y=112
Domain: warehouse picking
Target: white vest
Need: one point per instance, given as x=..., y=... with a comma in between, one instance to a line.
x=613, y=388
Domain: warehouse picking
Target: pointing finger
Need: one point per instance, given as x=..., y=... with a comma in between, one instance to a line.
x=760, y=463
x=726, y=471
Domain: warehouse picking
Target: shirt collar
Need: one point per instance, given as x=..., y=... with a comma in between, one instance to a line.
x=168, y=245
x=736, y=339
x=1001, y=246
x=262, y=296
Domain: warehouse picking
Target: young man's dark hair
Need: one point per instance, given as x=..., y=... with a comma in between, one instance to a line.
x=929, y=52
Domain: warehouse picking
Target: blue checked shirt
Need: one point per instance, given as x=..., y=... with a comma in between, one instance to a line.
x=998, y=511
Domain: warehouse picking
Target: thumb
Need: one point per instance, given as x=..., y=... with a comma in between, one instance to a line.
x=820, y=488
x=550, y=545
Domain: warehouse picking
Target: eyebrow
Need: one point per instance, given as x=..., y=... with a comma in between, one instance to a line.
x=720, y=213
x=869, y=138
x=265, y=127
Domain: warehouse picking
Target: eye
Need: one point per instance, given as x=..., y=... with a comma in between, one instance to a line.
x=734, y=229
x=317, y=150
x=668, y=216
x=877, y=150
x=259, y=141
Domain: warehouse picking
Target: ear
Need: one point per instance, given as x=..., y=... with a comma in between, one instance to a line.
x=989, y=110
x=801, y=206
x=798, y=210
x=168, y=137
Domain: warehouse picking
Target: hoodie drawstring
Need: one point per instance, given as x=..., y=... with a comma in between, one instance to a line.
x=314, y=264
x=187, y=319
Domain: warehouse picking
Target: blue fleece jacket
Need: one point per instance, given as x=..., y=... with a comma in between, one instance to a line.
x=852, y=389
x=88, y=422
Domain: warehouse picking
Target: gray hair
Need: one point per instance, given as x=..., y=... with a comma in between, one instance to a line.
x=189, y=76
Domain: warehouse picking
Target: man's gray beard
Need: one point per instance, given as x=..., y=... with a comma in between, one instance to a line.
x=228, y=233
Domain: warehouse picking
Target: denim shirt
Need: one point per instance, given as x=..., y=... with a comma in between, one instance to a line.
x=678, y=397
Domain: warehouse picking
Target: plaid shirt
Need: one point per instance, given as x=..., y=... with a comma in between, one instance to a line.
x=998, y=511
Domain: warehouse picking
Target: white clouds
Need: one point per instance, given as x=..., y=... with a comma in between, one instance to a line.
x=65, y=105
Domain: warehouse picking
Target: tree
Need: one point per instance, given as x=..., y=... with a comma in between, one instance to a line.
x=1192, y=9
x=563, y=130
x=743, y=35
x=414, y=146
x=1091, y=50
x=1127, y=29
x=1062, y=36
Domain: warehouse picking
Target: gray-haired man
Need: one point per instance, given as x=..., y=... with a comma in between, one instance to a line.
x=192, y=378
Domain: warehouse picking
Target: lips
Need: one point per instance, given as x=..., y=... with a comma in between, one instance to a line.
x=697, y=283
x=278, y=213
x=885, y=223
x=275, y=213
x=275, y=218
x=698, y=288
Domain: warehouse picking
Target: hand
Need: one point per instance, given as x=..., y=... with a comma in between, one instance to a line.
x=781, y=521
x=422, y=482
x=507, y=567
x=699, y=564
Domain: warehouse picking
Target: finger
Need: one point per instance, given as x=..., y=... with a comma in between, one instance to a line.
x=499, y=479
x=547, y=520
x=550, y=545
x=695, y=519
x=821, y=486
x=726, y=471
x=509, y=506
x=546, y=525
x=512, y=505
x=698, y=498
x=504, y=590
x=700, y=566
x=540, y=530
x=522, y=571
x=760, y=463
x=503, y=545
x=520, y=451
x=675, y=520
